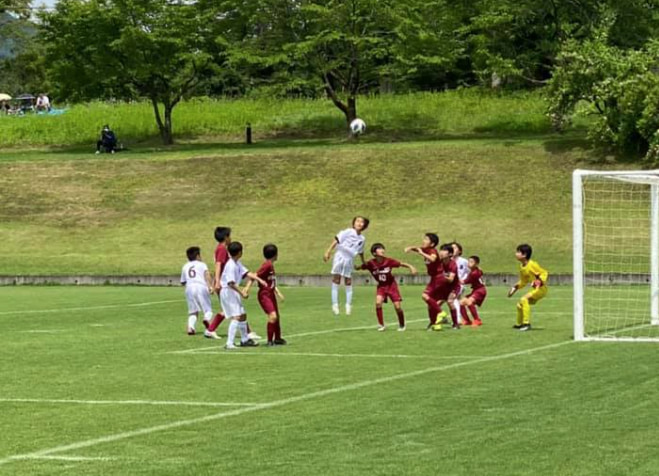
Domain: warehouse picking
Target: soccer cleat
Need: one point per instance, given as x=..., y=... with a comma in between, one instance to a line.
x=230, y=347
x=525, y=327
x=455, y=327
x=381, y=328
x=437, y=327
x=401, y=328
x=348, y=309
x=477, y=323
x=335, y=309
x=280, y=342
x=430, y=326
x=249, y=343
x=517, y=326
x=210, y=335
x=253, y=336
x=191, y=331
x=270, y=343
x=466, y=323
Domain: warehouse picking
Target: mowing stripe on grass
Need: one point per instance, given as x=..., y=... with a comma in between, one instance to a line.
x=71, y=458
x=275, y=404
x=127, y=402
x=89, y=308
x=315, y=354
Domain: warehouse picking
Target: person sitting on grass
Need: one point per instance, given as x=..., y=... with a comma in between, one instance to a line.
x=107, y=142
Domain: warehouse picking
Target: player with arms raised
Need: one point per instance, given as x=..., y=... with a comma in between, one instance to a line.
x=428, y=251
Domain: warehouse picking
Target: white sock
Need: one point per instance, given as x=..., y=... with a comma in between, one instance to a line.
x=192, y=321
x=233, y=328
x=349, y=295
x=243, y=331
x=335, y=294
x=456, y=303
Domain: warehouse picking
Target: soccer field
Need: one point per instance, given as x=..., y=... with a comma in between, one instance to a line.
x=104, y=381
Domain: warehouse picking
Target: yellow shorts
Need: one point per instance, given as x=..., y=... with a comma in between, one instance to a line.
x=538, y=293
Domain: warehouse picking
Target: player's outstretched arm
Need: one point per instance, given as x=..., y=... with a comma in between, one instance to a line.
x=512, y=290
x=328, y=253
x=209, y=283
x=409, y=266
x=254, y=277
x=279, y=294
x=412, y=249
x=218, y=273
x=248, y=286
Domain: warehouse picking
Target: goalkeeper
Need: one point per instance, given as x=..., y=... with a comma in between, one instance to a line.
x=529, y=272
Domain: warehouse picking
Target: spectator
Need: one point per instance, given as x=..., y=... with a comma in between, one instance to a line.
x=108, y=141
x=43, y=103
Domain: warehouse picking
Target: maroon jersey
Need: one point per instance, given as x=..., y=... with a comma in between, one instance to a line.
x=435, y=267
x=451, y=267
x=221, y=256
x=267, y=273
x=382, y=272
x=475, y=278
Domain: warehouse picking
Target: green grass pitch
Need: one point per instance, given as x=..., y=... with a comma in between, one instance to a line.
x=104, y=381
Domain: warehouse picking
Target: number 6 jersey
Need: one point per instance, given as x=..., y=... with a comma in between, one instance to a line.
x=193, y=273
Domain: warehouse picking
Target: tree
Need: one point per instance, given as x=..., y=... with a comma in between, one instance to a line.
x=346, y=47
x=158, y=49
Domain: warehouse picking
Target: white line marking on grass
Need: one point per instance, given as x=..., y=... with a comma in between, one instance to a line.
x=70, y=458
x=43, y=331
x=275, y=404
x=89, y=308
x=315, y=354
x=128, y=402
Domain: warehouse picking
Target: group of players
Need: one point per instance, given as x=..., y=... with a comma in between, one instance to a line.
x=448, y=270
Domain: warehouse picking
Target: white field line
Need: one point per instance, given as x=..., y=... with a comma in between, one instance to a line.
x=70, y=458
x=43, y=331
x=128, y=402
x=275, y=404
x=88, y=308
x=316, y=354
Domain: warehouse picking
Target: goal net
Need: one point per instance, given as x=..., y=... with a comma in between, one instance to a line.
x=616, y=255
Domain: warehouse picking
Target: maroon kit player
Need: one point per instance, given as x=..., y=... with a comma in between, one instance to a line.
x=428, y=251
x=449, y=287
x=477, y=295
x=381, y=269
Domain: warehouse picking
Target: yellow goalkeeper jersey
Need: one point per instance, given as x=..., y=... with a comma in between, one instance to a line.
x=528, y=273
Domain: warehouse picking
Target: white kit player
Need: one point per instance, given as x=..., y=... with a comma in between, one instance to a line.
x=348, y=243
x=197, y=281
x=463, y=272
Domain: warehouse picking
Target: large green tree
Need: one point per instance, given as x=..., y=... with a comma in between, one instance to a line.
x=158, y=49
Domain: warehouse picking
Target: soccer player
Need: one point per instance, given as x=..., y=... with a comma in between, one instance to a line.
x=463, y=272
x=381, y=269
x=269, y=293
x=428, y=251
x=231, y=296
x=529, y=272
x=447, y=292
x=197, y=281
x=348, y=243
x=477, y=294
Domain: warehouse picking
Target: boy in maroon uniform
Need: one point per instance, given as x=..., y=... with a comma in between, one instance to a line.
x=449, y=288
x=381, y=269
x=477, y=294
x=428, y=251
x=268, y=294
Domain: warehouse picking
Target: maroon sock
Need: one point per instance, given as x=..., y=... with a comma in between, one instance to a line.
x=454, y=316
x=401, y=317
x=277, y=330
x=249, y=330
x=474, y=312
x=380, y=314
x=215, y=323
x=433, y=310
x=463, y=313
x=271, y=331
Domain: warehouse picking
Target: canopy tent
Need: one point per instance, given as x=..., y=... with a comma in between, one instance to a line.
x=5, y=97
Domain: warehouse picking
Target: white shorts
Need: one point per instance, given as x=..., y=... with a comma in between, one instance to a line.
x=199, y=299
x=342, y=265
x=232, y=303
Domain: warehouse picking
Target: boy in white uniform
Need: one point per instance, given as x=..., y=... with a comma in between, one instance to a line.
x=348, y=243
x=463, y=272
x=197, y=281
x=231, y=296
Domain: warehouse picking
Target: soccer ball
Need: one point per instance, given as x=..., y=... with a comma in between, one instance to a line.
x=357, y=127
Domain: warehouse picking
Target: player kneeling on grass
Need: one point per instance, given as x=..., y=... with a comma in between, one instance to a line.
x=232, y=296
x=381, y=269
x=197, y=281
x=477, y=294
x=348, y=243
x=529, y=272
x=268, y=294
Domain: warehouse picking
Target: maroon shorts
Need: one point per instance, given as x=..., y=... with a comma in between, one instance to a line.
x=268, y=302
x=478, y=295
x=435, y=287
x=389, y=292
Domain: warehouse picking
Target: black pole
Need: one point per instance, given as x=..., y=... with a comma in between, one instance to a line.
x=248, y=133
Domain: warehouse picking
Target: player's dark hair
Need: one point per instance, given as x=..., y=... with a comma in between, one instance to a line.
x=434, y=239
x=458, y=246
x=448, y=247
x=222, y=233
x=366, y=221
x=375, y=247
x=269, y=251
x=526, y=250
x=193, y=253
x=476, y=259
x=235, y=248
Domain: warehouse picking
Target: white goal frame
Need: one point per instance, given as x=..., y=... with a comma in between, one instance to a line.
x=650, y=177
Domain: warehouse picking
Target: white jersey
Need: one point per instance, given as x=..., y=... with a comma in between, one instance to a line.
x=350, y=243
x=233, y=272
x=463, y=267
x=194, y=274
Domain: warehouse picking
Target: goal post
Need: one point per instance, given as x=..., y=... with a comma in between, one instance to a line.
x=616, y=255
